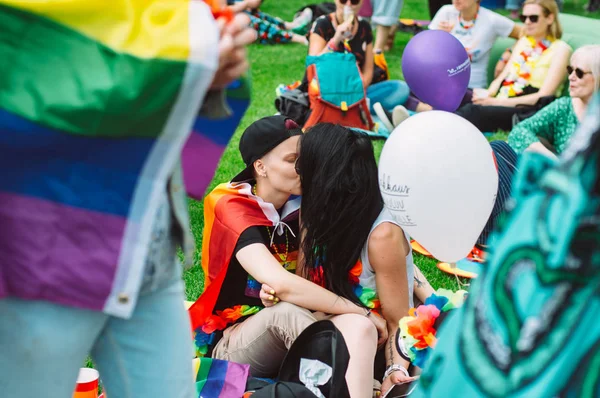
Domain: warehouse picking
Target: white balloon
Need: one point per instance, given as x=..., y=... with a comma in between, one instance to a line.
x=439, y=179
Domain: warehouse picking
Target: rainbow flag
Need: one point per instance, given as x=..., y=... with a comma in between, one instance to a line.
x=228, y=211
x=210, y=136
x=216, y=378
x=96, y=102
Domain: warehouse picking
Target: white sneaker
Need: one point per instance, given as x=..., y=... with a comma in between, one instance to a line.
x=399, y=115
x=383, y=116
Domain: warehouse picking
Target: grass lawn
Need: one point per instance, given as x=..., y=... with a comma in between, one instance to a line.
x=272, y=65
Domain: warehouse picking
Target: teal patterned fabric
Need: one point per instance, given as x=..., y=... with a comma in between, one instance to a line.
x=531, y=327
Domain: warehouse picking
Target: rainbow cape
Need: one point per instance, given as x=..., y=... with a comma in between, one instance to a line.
x=229, y=210
x=96, y=102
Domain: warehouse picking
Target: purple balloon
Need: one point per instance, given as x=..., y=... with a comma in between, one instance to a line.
x=437, y=69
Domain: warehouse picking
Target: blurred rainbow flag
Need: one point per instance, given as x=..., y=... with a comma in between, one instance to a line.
x=216, y=378
x=204, y=147
x=97, y=99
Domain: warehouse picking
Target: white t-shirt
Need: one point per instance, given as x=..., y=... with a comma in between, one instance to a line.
x=478, y=40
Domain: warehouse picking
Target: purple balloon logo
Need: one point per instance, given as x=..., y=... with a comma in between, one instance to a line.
x=437, y=69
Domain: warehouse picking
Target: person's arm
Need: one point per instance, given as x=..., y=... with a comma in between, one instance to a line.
x=541, y=149
x=387, y=253
x=516, y=32
x=367, y=71
x=243, y=5
x=422, y=288
x=556, y=76
x=526, y=133
x=437, y=19
x=258, y=261
x=317, y=45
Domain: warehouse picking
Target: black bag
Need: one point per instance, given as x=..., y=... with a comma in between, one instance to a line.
x=283, y=389
x=294, y=104
x=321, y=341
x=318, y=9
x=324, y=342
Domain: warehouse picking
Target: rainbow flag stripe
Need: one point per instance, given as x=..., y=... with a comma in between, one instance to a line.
x=209, y=138
x=96, y=103
x=216, y=378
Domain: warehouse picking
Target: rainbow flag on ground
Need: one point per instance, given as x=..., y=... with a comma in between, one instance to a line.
x=96, y=102
x=216, y=378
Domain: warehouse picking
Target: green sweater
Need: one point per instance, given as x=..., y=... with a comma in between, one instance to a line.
x=555, y=122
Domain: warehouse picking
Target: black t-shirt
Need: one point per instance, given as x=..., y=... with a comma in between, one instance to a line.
x=239, y=287
x=323, y=26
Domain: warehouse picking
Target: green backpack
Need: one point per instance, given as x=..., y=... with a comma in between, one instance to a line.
x=531, y=327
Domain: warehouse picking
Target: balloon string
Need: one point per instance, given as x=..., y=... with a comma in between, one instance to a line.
x=458, y=282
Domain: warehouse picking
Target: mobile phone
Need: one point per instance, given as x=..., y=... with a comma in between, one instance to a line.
x=401, y=390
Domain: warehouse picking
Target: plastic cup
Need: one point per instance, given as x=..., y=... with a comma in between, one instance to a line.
x=87, y=383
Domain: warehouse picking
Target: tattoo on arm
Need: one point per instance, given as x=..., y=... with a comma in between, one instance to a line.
x=391, y=339
x=420, y=283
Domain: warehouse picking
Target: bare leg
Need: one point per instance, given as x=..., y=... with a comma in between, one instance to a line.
x=361, y=338
x=299, y=39
x=383, y=32
x=423, y=107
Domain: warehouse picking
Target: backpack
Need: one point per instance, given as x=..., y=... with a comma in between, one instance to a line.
x=320, y=341
x=324, y=342
x=293, y=104
x=335, y=91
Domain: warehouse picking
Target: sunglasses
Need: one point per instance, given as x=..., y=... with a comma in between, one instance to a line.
x=353, y=2
x=532, y=18
x=578, y=72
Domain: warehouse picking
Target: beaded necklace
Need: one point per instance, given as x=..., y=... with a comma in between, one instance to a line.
x=463, y=24
x=523, y=66
x=284, y=257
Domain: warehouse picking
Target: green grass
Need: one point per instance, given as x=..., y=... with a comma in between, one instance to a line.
x=272, y=65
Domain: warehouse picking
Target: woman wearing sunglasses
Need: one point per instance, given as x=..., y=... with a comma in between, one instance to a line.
x=549, y=131
x=535, y=71
x=344, y=31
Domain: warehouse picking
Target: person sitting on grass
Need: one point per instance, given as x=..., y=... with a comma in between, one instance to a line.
x=250, y=256
x=331, y=33
x=550, y=130
x=351, y=244
x=477, y=28
x=532, y=77
x=271, y=30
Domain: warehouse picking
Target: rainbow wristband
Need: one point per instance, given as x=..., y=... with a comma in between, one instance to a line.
x=331, y=46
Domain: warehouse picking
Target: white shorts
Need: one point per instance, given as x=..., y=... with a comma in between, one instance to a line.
x=386, y=12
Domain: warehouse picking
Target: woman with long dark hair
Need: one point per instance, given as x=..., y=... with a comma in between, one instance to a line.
x=351, y=245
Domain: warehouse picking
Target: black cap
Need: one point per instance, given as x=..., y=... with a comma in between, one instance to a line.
x=260, y=138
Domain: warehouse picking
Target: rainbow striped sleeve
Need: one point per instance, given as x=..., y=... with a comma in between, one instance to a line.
x=97, y=99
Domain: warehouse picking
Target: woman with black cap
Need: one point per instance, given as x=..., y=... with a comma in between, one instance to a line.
x=249, y=253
